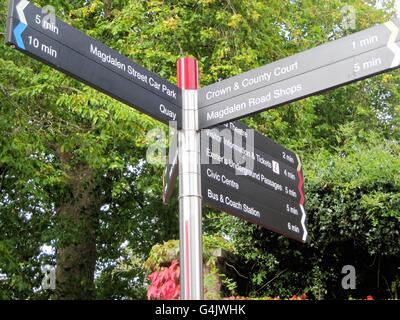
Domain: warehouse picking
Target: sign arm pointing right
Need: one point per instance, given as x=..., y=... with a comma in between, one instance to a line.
x=334, y=64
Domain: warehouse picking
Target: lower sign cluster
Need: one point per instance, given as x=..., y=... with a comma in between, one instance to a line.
x=241, y=178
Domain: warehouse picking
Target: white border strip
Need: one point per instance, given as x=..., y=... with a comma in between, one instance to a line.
x=392, y=43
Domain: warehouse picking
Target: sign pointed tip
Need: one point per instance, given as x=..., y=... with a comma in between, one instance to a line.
x=20, y=10
x=18, y=35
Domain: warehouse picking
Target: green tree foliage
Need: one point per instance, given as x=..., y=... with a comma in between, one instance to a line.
x=73, y=174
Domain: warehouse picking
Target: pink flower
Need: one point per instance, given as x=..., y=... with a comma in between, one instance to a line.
x=165, y=283
x=153, y=276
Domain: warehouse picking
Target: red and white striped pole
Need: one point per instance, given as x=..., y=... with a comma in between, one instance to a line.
x=190, y=207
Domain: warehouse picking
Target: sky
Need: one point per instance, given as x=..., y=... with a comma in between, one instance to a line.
x=397, y=5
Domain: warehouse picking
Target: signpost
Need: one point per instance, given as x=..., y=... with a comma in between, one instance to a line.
x=190, y=204
x=269, y=189
x=86, y=59
x=335, y=64
x=263, y=181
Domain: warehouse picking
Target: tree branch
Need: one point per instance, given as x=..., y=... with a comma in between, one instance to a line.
x=277, y=276
x=229, y=265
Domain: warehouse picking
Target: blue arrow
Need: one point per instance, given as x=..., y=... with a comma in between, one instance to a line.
x=20, y=28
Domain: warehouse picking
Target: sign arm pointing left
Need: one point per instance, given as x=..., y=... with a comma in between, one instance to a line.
x=55, y=43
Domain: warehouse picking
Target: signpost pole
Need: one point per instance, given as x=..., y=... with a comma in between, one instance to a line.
x=190, y=206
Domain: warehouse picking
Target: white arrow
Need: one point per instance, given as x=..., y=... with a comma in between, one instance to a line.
x=394, y=31
x=20, y=10
x=303, y=220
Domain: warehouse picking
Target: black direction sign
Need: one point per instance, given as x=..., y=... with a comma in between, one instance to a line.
x=171, y=170
x=334, y=64
x=259, y=186
x=84, y=58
